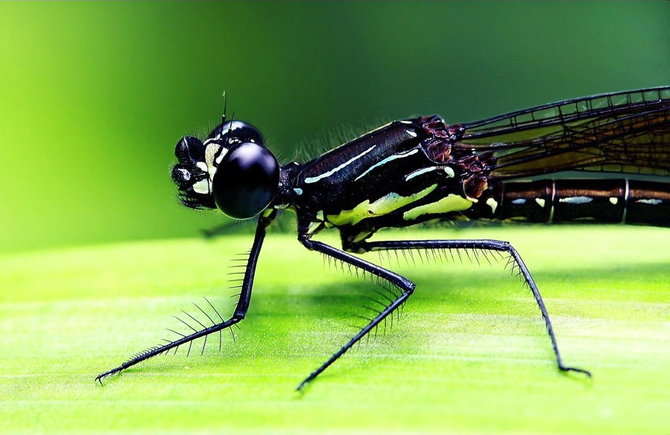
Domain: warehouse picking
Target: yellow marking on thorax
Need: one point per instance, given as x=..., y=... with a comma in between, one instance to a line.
x=384, y=205
x=448, y=204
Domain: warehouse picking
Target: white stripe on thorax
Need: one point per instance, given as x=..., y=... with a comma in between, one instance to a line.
x=420, y=171
x=339, y=167
x=388, y=159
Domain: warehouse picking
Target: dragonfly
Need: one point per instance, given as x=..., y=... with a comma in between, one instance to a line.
x=602, y=159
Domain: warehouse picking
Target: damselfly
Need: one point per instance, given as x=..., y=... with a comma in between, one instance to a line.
x=520, y=166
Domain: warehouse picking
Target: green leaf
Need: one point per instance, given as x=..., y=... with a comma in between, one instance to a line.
x=469, y=354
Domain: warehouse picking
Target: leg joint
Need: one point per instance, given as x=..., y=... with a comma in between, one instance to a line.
x=306, y=242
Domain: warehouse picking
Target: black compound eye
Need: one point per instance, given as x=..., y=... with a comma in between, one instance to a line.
x=246, y=180
x=237, y=132
x=189, y=148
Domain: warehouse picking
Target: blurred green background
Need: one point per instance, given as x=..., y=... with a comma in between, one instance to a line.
x=93, y=96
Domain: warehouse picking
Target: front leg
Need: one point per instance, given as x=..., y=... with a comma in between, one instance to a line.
x=486, y=245
x=406, y=286
x=238, y=314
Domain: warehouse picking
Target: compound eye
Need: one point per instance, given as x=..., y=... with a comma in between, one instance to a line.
x=234, y=132
x=188, y=149
x=246, y=180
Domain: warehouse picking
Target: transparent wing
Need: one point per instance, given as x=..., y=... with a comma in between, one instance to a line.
x=622, y=132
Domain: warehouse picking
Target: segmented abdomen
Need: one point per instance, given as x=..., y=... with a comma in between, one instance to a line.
x=589, y=200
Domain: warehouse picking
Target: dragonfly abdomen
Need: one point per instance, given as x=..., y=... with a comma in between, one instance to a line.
x=589, y=200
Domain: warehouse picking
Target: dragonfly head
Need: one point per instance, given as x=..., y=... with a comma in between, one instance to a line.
x=231, y=170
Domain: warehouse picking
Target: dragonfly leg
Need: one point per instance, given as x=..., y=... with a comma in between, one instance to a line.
x=487, y=245
x=238, y=314
x=405, y=285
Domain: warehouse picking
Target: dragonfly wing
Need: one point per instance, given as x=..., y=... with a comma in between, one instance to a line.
x=624, y=132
